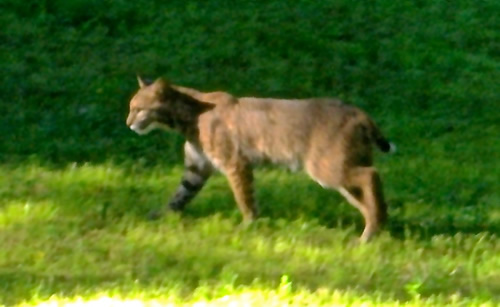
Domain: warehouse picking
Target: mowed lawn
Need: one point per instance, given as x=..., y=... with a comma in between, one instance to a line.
x=76, y=184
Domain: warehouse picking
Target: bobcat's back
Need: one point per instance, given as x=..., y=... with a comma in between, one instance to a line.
x=286, y=131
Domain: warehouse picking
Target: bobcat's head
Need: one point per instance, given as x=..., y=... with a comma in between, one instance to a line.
x=149, y=106
x=159, y=105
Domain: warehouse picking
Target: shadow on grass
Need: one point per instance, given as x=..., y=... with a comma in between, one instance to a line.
x=441, y=220
x=113, y=196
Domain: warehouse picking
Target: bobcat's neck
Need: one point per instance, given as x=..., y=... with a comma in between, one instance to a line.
x=183, y=111
x=188, y=91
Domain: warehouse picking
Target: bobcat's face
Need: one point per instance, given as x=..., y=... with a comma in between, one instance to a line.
x=146, y=108
x=158, y=105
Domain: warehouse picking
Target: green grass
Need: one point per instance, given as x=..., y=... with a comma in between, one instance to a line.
x=76, y=184
x=71, y=238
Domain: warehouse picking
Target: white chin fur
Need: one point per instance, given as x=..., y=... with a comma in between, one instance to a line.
x=142, y=131
x=151, y=127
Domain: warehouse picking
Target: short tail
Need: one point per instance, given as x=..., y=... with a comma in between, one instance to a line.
x=382, y=143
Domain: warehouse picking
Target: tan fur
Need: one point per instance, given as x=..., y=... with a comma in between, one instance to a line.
x=212, y=97
x=331, y=141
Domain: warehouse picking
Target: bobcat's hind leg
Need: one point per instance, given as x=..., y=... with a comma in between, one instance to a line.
x=362, y=188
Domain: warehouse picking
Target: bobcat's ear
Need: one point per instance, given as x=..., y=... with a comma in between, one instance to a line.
x=161, y=87
x=142, y=83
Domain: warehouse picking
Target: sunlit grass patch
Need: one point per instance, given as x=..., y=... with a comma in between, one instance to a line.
x=23, y=212
x=254, y=295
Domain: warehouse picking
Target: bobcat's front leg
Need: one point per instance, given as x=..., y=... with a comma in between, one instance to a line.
x=240, y=176
x=197, y=171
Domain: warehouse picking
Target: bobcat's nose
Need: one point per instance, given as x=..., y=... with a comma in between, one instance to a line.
x=129, y=120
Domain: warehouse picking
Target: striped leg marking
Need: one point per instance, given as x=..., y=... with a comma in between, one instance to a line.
x=197, y=171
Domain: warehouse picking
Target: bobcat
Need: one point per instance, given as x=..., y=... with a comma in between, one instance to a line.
x=330, y=140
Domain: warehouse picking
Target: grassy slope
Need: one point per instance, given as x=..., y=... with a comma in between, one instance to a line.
x=427, y=71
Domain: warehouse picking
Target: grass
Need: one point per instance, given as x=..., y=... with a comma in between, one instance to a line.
x=76, y=184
